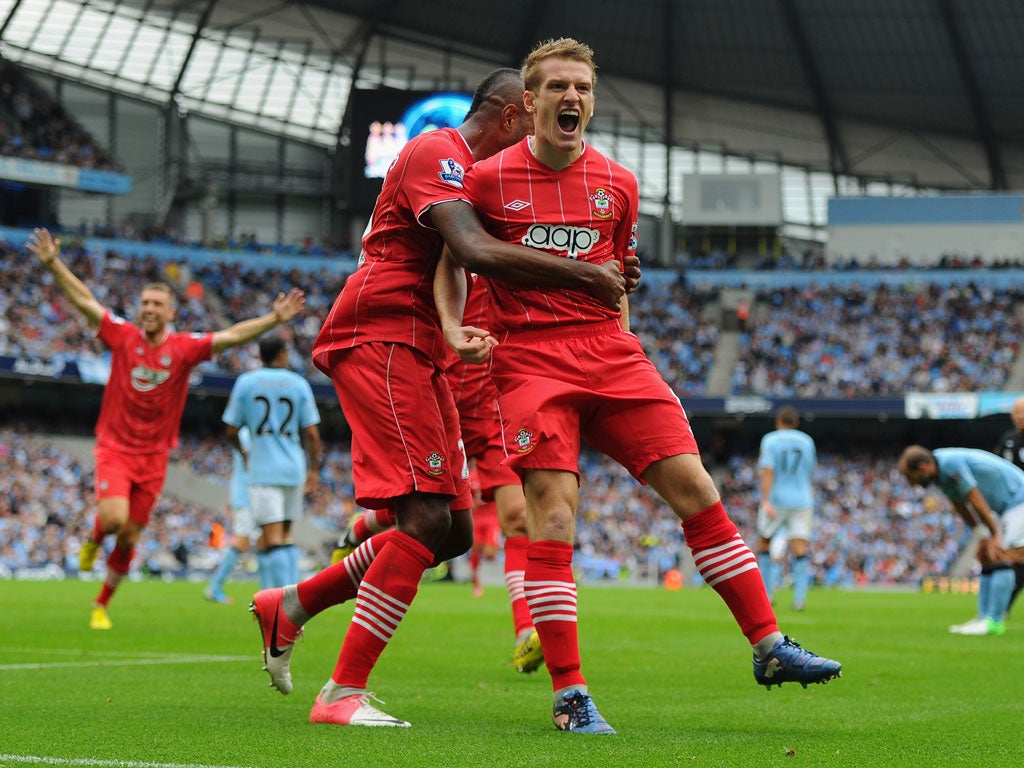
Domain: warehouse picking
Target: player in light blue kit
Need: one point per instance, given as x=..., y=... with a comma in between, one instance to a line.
x=283, y=462
x=987, y=490
x=243, y=531
x=787, y=460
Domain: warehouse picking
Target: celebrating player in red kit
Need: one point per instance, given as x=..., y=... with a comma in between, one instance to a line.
x=142, y=405
x=566, y=367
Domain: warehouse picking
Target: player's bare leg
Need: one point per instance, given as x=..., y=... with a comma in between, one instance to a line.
x=726, y=564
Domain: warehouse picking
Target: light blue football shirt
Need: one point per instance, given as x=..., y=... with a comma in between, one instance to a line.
x=239, y=485
x=276, y=405
x=998, y=480
x=792, y=456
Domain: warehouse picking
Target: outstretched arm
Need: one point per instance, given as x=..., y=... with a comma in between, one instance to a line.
x=473, y=248
x=285, y=308
x=47, y=249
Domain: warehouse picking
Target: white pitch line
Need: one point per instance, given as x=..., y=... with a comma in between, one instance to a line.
x=80, y=652
x=37, y=760
x=131, y=662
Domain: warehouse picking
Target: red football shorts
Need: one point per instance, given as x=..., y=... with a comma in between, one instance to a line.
x=486, y=531
x=592, y=381
x=133, y=476
x=481, y=434
x=405, y=429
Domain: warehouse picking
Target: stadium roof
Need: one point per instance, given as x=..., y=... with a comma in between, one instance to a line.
x=920, y=90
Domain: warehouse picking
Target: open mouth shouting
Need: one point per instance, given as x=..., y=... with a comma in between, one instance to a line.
x=568, y=120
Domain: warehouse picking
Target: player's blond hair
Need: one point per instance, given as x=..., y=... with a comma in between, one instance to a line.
x=562, y=48
x=165, y=288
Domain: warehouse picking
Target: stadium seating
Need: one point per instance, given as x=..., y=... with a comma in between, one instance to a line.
x=816, y=340
x=848, y=341
x=34, y=125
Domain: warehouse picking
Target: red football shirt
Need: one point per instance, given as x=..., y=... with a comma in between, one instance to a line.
x=390, y=297
x=587, y=211
x=145, y=396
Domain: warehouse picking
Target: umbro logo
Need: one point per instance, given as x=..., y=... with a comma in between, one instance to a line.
x=517, y=205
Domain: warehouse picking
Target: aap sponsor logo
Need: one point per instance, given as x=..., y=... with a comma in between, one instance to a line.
x=146, y=379
x=559, y=237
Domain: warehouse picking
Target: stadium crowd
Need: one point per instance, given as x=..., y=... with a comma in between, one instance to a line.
x=818, y=341
x=815, y=341
x=831, y=341
x=34, y=126
x=871, y=527
x=46, y=506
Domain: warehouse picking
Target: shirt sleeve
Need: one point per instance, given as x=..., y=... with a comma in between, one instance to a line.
x=627, y=229
x=765, y=458
x=310, y=414
x=961, y=476
x=113, y=330
x=433, y=175
x=234, y=412
x=197, y=347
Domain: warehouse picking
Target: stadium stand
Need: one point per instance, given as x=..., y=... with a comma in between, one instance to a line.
x=34, y=125
x=871, y=527
x=850, y=341
x=814, y=340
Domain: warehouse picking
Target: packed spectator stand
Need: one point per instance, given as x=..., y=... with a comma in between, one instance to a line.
x=810, y=340
x=35, y=126
x=830, y=341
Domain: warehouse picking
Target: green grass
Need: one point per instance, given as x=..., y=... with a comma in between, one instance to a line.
x=178, y=681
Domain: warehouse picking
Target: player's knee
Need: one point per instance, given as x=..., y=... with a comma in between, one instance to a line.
x=427, y=519
x=458, y=542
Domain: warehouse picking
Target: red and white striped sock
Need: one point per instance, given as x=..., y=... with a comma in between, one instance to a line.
x=726, y=563
x=515, y=571
x=339, y=583
x=385, y=594
x=374, y=521
x=118, y=563
x=551, y=594
x=97, y=534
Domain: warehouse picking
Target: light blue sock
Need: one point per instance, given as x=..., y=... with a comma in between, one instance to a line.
x=767, y=568
x=984, y=587
x=263, y=569
x=279, y=563
x=227, y=565
x=801, y=579
x=1000, y=590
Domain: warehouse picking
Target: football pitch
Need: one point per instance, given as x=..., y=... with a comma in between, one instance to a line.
x=177, y=684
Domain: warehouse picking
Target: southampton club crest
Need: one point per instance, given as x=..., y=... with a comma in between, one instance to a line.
x=602, y=201
x=524, y=441
x=435, y=464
